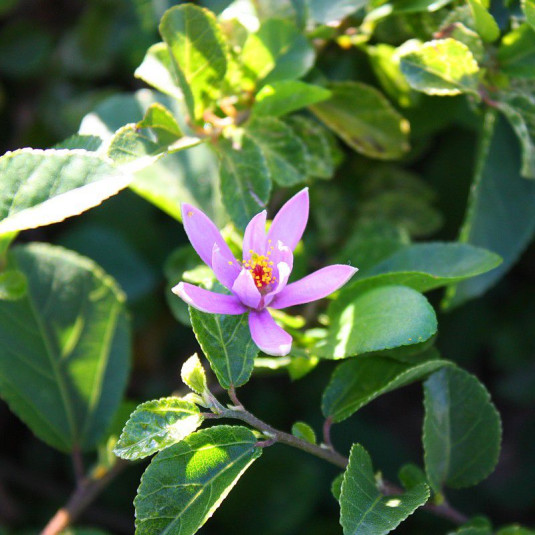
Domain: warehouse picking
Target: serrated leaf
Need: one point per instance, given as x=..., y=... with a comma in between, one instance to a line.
x=485, y=24
x=156, y=70
x=426, y=266
x=192, y=374
x=186, y=483
x=528, y=7
x=316, y=138
x=462, y=430
x=444, y=67
x=363, y=509
x=519, y=109
x=278, y=51
x=13, y=285
x=381, y=318
x=65, y=350
x=303, y=431
x=358, y=381
x=156, y=425
x=285, y=96
x=244, y=178
x=283, y=151
x=365, y=120
x=199, y=54
x=500, y=215
x=516, y=54
x=227, y=344
x=63, y=183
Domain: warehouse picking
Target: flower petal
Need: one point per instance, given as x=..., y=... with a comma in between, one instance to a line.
x=203, y=234
x=291, y=220
x=225, y=270
x=284, y=271
x=314, y=286
x=267, y=335
x=245, y=289
x=255, y=238
x=279, y=252
x=207, y=301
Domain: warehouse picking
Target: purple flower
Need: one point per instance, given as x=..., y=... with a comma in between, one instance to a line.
x=260, y=280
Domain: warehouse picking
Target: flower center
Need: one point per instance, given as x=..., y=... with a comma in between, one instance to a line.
x=261, y=269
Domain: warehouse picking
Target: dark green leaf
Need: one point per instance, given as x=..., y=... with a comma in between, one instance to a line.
x=199, y=54
x=186, y=483
x=63, y=183
x=156, y=425
x=426, y=266
x=65, y=347
x=318, y=150
x=363, y=509
x=280, y=98
x=360, y=380
x=382, y=318
x=284, y=152
x=324, y=12
x=500, y=214
x=411, y=475
x=515, y=530
x=440, y=67
x=245, y=183
x=365, y=120
x=462, y=430
x=227, y=344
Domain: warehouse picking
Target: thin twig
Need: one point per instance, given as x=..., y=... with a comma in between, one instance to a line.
x=327, y=432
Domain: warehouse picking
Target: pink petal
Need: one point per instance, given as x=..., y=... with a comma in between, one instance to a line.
x=315, y=286
x=255, y=238
x=203, y=234
x=225, y=270
x=207, y=301
x=280, y=252
x=284, y=271
x=291, y=220
x=245, y=289
x=267, y=335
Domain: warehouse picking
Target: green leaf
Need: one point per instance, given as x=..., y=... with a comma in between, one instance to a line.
x=365, y=120
x=63, y=183
x=192, y=374
x=280, y=98
x=278, y=51
x=199, y=54
x=336, y=486
x=426, y=266
x=156, y=425
x=65, y=350
x=462, y=430
x=381, y=318
x=363, y=509
x=245, y=183
x=515, y=529
x=442, y=67
x=157, y=71
x=303, y=431
x=13, y=285
x=516, y=54
x=380, y=8
x=411, y=475
x=519, y=108
x=227, y=344
x=76, y=141
x=284, y=152
x=500, y=215
x=184, y=176
x=324, y=12
x=186, y=483
x=358, y=381
x=318, y=145
x=151, y=138
x=528, y=7
x=485, y=24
